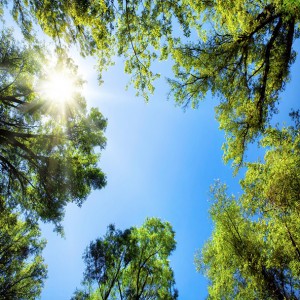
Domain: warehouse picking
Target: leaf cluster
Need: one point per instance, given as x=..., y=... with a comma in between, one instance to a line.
x=22, y=269
x=47, y=152
x=243, y=57
x=254, y=250
x=130, y=264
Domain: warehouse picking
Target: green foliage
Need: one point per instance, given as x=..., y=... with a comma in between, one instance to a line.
x=242, y=52
x=47, y=156
x=243, y=56
x=130, y=264
x=254, y=252
x=22, y=270
x=141, y=31
x=274, y=184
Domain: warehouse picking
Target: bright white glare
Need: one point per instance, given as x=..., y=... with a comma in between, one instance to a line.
x=59, y=87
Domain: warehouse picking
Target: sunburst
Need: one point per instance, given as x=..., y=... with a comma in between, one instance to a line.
x=58, y=87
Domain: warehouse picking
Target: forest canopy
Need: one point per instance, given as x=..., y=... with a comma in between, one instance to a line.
x=241, y=52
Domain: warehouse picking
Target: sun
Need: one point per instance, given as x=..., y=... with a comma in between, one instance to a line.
x=59, y=87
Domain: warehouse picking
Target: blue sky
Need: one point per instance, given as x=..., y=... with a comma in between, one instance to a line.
x=160, y=162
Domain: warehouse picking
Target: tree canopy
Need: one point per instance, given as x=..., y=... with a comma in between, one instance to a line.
x=130, y=264
x=22, y=269
x=254, y=252
x=47, y=148
x=241, y=51
x=244, y=57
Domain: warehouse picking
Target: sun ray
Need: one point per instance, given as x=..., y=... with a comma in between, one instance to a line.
x=59, y=87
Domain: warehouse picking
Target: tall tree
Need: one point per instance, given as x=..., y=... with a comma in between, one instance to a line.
x=243, y=53
x=130, y=264
x=22, y=270
x=254, y=252
x=244, y=57
x=47, y=148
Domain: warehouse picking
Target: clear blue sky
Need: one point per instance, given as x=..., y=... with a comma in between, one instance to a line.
x=160, y=162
